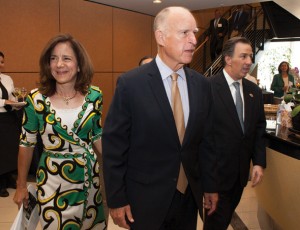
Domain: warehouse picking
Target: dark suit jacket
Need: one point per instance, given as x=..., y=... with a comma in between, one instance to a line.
x=234, y=148
x=221, y=28
x=216, y=41
x=141, y=148
x=241, y=24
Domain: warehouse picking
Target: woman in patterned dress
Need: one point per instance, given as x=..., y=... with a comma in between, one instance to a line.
x=66, y=111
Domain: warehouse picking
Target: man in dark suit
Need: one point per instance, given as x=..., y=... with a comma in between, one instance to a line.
x=218, y=28
x=238, y=21
x=142, y=150
x=238, y=127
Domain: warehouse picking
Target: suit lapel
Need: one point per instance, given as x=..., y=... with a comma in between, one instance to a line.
x=193, y=102
x=160, y=95
x=248, y=103
x=223, y=90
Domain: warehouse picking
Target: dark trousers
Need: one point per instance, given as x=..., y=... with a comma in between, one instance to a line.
x=216, y=46
x=228, y=201
x=182, y=214
x=3, y=181
x=7, y=180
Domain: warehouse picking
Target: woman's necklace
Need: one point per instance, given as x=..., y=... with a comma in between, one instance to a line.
x=67, y=99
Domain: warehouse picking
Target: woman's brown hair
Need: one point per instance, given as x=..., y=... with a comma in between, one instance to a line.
x=284, y=62
x=47, y=84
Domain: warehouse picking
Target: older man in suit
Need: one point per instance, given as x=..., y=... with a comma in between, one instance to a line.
x=217, y=31
x=239, y=127
x=157, y=166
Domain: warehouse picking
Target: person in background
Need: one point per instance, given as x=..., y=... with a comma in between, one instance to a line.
x=295, y=73
x=9, y=132
x=66, y=110
x=282, y=81
x=217, y=31
x=239, y=126
x=251, y=78
x=158, y=156
x=144, y=60
x=238, y=21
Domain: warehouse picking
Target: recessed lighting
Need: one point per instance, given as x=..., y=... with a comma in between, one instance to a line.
x=156, y=1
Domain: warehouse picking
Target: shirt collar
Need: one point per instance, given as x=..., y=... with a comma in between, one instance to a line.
x=229, y=79
x=165, y=70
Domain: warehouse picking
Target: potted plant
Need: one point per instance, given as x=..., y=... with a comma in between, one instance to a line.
x=295, y=114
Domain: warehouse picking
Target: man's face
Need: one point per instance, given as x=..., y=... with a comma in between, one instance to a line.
x=178, y=40
x=239, y=64
x=217, y=14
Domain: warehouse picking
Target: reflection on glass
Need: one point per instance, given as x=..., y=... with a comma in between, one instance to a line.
x=16, y=93
x=23, y=93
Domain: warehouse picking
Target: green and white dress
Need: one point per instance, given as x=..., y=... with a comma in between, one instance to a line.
x=68, y=183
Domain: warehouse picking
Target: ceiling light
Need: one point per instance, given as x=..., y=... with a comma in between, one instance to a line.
x=156, y=1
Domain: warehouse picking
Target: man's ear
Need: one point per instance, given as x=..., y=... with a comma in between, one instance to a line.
x=159, y=36
x=228, y=60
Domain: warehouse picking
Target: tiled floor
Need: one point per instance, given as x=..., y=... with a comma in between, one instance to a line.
x=8, y=211
x=247, y=211
x=247, y=208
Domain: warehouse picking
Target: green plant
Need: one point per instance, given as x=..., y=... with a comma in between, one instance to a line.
x=295, y=111
x=271, y=58
x=288, y=98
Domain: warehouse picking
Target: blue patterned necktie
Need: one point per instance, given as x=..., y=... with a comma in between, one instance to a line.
x=239, y=103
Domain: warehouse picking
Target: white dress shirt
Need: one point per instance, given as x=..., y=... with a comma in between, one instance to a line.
x=9, y=85
x=230, y=82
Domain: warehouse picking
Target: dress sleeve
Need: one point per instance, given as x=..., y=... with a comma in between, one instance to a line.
x=28, y=137
x=97, y=128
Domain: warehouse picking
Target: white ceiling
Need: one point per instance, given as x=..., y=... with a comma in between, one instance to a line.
x=148, y=7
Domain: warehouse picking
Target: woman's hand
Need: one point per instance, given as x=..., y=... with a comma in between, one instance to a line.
x=21, y=197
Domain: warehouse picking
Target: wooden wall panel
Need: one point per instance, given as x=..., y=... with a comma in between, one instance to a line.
x=27, y=80
x=115, y=39
x=115, y=79
x=131, y=39
x=154, y=45
x=105, y=82
x=25, y=28
x=91, y=24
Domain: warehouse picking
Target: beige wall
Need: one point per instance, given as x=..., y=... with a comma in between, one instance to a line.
x=115, y=39
x=279, y=193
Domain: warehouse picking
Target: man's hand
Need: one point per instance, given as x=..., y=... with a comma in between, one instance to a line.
x=119, y=216
x=210, y=202
x=257, y=175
